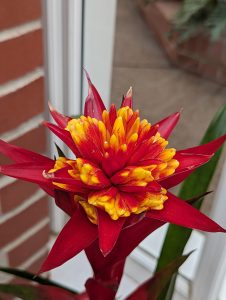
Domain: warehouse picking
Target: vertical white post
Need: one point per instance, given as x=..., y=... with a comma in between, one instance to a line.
x=62, y=23
x=212, y=265
x=52, y=25
x=72, y=53
x=99, y=29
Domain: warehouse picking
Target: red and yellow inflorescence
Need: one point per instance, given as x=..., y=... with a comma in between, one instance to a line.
x=121, y=168
x=122, y=160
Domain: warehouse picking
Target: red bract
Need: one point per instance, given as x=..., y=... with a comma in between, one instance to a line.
x=115, y=189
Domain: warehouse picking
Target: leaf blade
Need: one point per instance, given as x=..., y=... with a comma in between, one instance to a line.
x=177, y=237
x=32, y=277
x=151, y=289
x=37, y=292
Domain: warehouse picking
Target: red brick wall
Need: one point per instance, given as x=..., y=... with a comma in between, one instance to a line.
x=24, y=221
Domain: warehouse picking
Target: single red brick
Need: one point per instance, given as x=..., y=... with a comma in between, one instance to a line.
x=21, y=105
x=224, y=77
x=223, y=56
x=188, y=63
x=35, y=267
x=34, y=140
x=12, y=228
x=189, y=46
x=208, y=70
x=202, y=47
x=20, y=55
x=15, y=194
x=215, y=51
x=220, y=74
x=15, y=12
x=29, y=247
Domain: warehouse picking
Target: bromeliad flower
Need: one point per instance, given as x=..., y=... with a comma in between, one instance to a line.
x=117, y=183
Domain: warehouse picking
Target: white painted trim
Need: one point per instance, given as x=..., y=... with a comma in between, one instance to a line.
x=52, y=25
x=4, y=259
x=14, y=85
x=19, y=30
x=212, y=265
x=72, y=21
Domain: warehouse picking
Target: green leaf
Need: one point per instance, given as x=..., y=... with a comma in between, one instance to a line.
x=59, y=151
x=209, y=16
x=34, y=278
x=36, y=292
x=151, y=289
x=22, y=291
x=177, y=237
x=189, y=9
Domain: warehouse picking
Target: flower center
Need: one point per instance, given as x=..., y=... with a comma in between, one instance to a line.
x=121, y=163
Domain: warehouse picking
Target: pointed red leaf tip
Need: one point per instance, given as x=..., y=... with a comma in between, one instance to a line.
x=59, y=118
x=109, y=231
x=94, y=105
x=20, y=155
x=64, y=135
x=189, y=161
x=177, y=211
x=128, y=100
x=77, y=234
x=167, y=125
x=128, y=240
x=205, y=150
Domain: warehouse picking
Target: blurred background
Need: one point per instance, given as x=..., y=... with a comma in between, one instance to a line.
x=173, y=55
